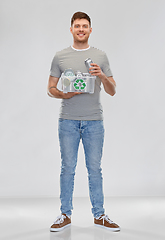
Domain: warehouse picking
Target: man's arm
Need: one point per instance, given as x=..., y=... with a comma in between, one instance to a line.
x=52, y=90
x=108, y=82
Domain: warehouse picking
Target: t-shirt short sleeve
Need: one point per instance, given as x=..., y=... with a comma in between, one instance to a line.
x=55, y=70
x=106, y=67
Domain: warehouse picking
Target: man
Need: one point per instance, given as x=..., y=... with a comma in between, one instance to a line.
x=81, y=118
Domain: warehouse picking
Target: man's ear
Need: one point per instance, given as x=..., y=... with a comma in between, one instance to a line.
x=71, y=29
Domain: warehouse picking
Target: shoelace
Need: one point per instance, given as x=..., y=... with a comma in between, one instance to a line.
x=105, y=218
x=60, y=219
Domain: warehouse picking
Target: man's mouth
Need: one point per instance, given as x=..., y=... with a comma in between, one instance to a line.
x=81, y=34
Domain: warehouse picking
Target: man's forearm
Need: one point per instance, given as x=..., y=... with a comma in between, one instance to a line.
x=109, y=84
x=54, y=92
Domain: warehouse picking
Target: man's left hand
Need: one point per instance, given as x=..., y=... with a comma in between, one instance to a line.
x=95, y=70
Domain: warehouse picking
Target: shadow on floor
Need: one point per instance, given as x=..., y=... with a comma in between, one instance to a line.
x=88, y=233
x=95, y=233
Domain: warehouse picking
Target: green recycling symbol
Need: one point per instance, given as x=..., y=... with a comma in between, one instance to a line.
x=79, y=84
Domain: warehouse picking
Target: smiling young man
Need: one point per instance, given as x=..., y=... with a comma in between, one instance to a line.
x=81, y=118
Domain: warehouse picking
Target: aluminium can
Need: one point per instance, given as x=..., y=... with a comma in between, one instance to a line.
x=88, y=62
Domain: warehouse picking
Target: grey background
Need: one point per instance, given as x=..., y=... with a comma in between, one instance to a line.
x=131, y=32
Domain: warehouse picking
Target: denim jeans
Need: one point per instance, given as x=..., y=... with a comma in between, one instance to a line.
x=92, y=135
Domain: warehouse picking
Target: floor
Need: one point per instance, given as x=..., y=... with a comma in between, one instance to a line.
x=139, y=218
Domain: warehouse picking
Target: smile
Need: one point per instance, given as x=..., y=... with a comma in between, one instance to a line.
x=81, y=34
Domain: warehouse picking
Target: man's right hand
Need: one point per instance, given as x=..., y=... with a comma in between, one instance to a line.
x=70, y=94
x=54, y=92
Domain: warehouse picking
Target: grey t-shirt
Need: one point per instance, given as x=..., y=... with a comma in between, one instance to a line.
x=84, y=106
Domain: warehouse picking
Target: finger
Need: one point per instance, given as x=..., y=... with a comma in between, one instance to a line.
x=92, y=68
x=77, y=93
x=95, y=71
x=93, y=64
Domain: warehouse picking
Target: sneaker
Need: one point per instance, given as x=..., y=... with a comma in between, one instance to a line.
x=60, y=223
x=105, y=222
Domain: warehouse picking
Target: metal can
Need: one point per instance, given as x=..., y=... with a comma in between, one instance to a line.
x=88, y=62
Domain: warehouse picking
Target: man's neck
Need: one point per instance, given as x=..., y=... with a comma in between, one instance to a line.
x=78, y=45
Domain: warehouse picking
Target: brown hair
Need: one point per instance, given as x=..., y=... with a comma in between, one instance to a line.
x=80, y=15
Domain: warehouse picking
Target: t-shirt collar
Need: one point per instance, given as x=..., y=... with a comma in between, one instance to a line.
x=79, y=50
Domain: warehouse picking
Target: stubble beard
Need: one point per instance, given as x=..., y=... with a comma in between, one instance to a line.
x=82, y=40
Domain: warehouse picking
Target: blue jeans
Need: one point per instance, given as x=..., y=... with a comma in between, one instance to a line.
x=92, y=135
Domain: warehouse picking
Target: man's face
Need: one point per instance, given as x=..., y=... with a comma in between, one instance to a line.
x=81, y=30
